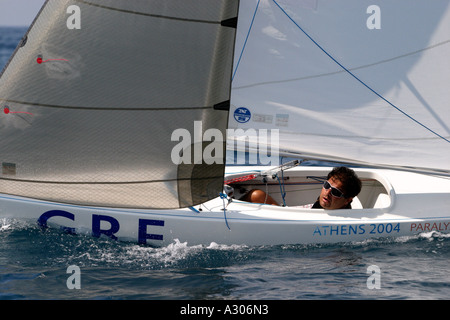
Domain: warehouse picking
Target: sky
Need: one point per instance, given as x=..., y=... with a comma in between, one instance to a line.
x=19, y=12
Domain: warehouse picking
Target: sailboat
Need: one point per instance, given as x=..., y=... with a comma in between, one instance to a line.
x=116, y=117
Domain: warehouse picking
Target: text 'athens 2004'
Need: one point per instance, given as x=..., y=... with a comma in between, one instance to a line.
x=348, y=230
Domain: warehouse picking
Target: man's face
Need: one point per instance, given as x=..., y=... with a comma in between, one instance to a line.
x=327, y=201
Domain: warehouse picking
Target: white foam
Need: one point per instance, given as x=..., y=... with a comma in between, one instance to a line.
x=4, y=225
x=216, y=246
x=433, y=235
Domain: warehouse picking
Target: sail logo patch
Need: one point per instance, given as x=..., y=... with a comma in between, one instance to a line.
x=242, y=115
x=8, y=169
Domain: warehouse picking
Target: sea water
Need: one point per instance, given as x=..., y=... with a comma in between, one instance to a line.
x=36, y=264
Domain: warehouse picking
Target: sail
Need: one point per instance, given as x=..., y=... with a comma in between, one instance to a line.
x=91, y=98
x=352, y=81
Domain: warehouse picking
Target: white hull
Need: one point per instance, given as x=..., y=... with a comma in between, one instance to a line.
x=395, y=204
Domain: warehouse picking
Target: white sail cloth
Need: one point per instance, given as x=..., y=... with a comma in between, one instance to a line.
x=389, y=108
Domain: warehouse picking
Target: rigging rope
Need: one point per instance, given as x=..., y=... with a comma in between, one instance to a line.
x=223, y=196
x=246, y=39
x=282, y=190
x=356, y=78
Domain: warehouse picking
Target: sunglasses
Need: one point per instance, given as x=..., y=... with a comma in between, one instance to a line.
x=335, y=192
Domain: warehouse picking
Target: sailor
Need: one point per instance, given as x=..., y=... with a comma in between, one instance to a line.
x=338, y=190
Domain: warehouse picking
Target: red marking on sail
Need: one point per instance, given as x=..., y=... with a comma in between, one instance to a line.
x=6, y=110
x=39, y=60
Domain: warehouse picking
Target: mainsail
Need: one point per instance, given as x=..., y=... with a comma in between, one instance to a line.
x=352, y=81
x=87, y=113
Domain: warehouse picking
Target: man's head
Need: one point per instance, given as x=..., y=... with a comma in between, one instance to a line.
x=341, y=187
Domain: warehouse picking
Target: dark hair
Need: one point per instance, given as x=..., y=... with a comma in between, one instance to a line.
x=348, y=177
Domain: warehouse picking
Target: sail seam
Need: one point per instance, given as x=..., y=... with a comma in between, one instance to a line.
x=358, y=79
x=112, y=183
x=369, y=137
x=343, y=71
x=148, y=14
x=109, y=109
